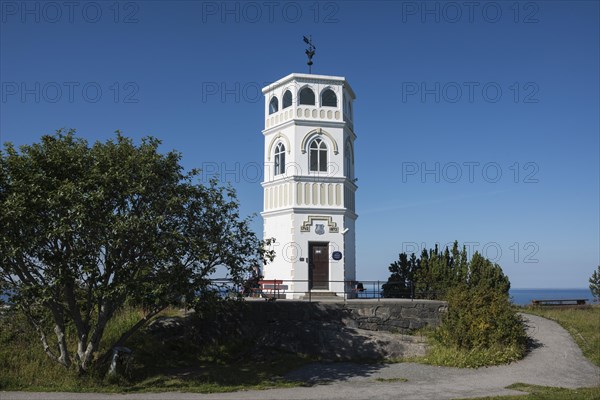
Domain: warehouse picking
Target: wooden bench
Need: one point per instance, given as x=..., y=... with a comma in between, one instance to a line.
x=272, y=288
x=562, y=302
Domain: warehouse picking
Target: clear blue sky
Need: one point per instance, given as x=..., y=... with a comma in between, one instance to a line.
x=188, y=72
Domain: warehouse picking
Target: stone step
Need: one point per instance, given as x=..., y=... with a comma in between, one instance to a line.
x=319, y=295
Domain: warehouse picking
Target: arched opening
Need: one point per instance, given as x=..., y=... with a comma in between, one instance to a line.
x=287, y=99
x=328, y=98
x=307, y=97
x=349, y=169
x=273, y=105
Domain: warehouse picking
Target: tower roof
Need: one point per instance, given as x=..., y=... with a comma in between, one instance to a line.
x=309, y=78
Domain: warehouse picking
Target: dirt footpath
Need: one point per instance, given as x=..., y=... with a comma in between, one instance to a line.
x=556, y=360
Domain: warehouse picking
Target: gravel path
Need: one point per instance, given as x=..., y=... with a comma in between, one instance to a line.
x=556, y=360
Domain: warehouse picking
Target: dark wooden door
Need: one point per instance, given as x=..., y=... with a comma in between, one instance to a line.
x=319, y=265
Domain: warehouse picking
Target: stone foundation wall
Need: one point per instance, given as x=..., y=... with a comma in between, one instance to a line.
x=328, y=330
x=400, y=316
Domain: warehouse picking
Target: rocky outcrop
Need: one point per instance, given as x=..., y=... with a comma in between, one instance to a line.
x=336, y=342
x=331, y=331
x=404, y=317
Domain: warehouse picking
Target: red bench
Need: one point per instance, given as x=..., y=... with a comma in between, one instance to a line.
x=271, y=288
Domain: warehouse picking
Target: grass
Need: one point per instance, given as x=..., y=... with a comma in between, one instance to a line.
x=547, y=393
x=584, y=326
x=388, y=380
x=582, y=323
x=157, y=365
x=169, y=365
x=441, y=355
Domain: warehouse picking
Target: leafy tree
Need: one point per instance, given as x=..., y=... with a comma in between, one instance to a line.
x=86, y=228
x=435, y=272
x=484, y=273
x=423, y=279
x=400, y=281
x=595, y=284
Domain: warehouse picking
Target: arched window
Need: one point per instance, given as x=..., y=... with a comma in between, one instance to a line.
x=287, y=99
x=307, y=96
x=318, y=156
x=279, y=159
x=349, y=162
x=328, y=98
x=273, y=105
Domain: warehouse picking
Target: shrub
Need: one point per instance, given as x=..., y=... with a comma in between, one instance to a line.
x=481, y=317
x=595, y=284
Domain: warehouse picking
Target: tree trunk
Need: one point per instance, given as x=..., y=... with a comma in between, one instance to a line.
x=64, y=357
x=59, y=329
x=127, y=334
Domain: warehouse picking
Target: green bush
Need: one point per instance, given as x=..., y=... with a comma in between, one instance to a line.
x=436, y=271
x=481, y=317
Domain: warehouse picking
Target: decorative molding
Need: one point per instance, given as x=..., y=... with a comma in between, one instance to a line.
x=318, y=132
x=318, y=81
x=274, y=140
x=334, y=89
x=333, y=228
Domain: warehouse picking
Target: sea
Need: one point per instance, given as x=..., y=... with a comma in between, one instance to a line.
x=524, y=296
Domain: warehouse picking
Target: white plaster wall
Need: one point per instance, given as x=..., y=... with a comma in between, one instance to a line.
x=350, y=249
x=335, y=240
x=280, y=228
x=286, y=211
x=297, y=162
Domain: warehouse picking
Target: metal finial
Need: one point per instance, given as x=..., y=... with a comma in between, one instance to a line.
x=310, y=52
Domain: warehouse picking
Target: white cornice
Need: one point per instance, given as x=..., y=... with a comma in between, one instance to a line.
x=310, y=210
x=311, y=179
x=308, y=122
x=309, y=78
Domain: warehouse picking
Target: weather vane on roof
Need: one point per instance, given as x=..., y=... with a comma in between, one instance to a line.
x=310, y=52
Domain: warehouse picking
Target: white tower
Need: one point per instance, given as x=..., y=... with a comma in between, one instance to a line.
x=309, y=183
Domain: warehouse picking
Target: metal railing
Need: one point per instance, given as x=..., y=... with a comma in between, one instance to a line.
x=299, y=289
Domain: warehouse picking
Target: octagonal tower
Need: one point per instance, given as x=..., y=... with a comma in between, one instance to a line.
x=309, y=185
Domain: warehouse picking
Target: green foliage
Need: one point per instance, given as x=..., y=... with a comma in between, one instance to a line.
x=167, y=364
x=481, y=326
x=481, y=318
x=399, y=283
x=23, y=366
x=595, y=284
x=87, y=228
x=448, y=356
x=435, y=272
x=536, y=392
x=388, y=380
